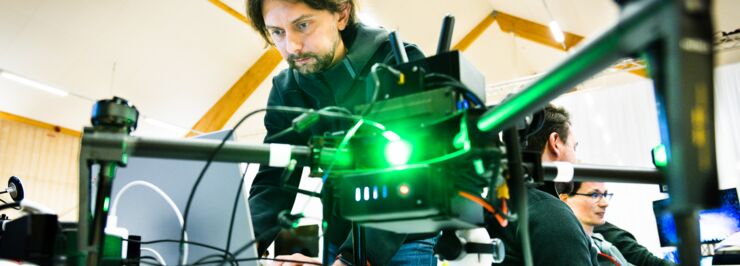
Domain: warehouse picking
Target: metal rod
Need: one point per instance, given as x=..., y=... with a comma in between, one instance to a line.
x=607, y=173
x=327, y=210
x=687, y=223
x=191, y=149
x=630, y=35
x=518, y=190
x=97, y=238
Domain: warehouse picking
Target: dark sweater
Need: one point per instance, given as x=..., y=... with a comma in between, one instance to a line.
x=342, y=85
x=556, y=236
x=628, y=246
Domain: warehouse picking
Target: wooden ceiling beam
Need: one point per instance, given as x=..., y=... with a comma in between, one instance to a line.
x=231, y=11
x=220, y=113
x=539, y=33
x=476, y=32
x=534, y=31
x=40, y=124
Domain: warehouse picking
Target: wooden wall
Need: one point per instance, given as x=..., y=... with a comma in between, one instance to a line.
x=45, y=158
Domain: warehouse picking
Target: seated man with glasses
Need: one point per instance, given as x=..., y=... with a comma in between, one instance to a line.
x=589, y=201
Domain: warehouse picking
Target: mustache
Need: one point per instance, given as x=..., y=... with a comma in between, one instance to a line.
x=294, y=57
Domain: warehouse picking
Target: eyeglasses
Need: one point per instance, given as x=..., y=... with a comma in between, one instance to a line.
x=597, y=196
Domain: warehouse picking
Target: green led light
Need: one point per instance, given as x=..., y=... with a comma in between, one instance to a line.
x=479, y=169
x=660, y=156
x=106, y=204
x=397, y=152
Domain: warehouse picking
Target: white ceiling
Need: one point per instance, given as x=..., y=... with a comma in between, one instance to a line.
x=174, y=59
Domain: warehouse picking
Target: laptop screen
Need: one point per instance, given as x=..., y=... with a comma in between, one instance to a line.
x=714, y=224
x=146, y=212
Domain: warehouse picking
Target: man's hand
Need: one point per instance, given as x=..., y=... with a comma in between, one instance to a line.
x=301, y=257
x=296, y=257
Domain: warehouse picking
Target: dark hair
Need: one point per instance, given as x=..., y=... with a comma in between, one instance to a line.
x=557, y=120
x=569, y=188
x=254, y=12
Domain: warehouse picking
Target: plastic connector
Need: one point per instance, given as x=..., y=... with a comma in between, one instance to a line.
x=113, y=229
x=304, y=121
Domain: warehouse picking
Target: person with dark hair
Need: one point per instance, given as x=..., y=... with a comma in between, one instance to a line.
x=329, y=53
x=589, y=201
x=614, y=243
x=556, y=236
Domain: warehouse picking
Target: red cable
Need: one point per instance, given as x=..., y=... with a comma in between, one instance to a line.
x=501, y=220
x=610, y=258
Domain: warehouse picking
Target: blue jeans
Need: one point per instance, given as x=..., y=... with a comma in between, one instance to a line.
x=417, y=252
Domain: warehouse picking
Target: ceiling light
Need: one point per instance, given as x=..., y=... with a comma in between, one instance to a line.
x=557, y=32
x=32, y=83
x=168, y=126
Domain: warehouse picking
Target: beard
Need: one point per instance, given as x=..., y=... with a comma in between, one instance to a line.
x=320, y=63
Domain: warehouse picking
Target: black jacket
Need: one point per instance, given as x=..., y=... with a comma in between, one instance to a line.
x=556, y=236
x=628, y=246
x=342, y=85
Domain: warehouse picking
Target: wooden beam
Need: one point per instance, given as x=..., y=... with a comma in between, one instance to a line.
x=220, y=113
x=539, y=33
x=224, y=109
x=473, y=35
x=231, y=11
x=37, y=123
x=534, y=31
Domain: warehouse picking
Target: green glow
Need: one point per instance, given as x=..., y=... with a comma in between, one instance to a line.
x=660, y=157
x=106, y=204
x=543, y=90
x=391, y=136
x=296, y=223
x=397, y=152
x=459, y=140
x=479, y=169
x=462, y=139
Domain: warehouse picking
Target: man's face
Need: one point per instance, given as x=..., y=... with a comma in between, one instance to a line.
x=307, y=38
x=589, y=212
x=568, y=148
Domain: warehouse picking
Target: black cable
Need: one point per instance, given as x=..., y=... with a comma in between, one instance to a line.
x=257, y=238
x=202, y=260
x=323, y=112
x=293, y=189
x=233, y=210
x=290, y=129
x=15, y=208
x=232, y=256
x=137, y=261
x=376, y=84
x=286, y=173
x=452, y=82
x=9, y=205
x=279, y=134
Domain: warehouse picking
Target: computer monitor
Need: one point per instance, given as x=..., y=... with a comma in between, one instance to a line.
x=714, y=224
x=144, y=211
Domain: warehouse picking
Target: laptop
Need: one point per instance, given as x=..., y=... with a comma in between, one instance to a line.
x=146, y=212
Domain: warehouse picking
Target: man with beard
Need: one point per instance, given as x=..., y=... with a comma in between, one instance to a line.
x=329, y=53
